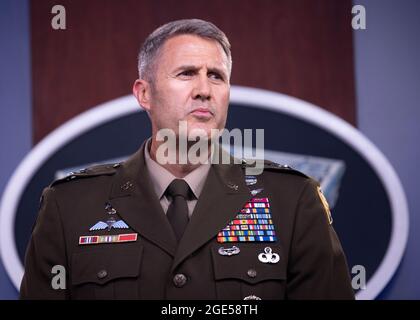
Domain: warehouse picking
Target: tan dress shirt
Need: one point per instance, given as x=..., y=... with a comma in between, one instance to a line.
x=161, y=178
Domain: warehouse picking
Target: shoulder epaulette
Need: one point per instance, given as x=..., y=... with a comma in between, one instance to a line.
x=94, y=171
x=270, y=165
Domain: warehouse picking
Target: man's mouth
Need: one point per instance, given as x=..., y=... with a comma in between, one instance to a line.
x=202, y=112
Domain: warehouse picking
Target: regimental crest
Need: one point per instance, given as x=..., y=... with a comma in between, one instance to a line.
x=109, y=224
x=250, y=180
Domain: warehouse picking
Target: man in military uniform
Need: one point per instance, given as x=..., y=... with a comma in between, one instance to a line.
x=143, y=229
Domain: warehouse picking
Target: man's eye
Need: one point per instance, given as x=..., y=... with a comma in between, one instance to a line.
x=187, y=73
x=216, y=76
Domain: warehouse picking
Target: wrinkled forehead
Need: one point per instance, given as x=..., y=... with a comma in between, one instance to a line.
x=192, y=49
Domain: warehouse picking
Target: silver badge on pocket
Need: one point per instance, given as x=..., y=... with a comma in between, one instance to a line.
x=229, y=251
x=268, y=256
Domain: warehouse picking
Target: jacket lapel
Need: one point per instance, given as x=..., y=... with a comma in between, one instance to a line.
x=137, y=204
x=223, y=195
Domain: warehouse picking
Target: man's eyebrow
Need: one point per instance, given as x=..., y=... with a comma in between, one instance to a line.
x=217, y=70
x=195, y=68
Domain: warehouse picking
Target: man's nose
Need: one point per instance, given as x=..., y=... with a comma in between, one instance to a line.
x=202, y=88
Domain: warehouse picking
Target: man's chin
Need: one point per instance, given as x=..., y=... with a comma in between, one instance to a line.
x=201, y=129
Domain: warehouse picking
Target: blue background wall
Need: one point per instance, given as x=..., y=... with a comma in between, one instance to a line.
x=388, y=95
x=387, y=82
x=15, y=100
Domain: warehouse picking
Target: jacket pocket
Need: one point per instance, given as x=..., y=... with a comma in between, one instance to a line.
x=107, y=272
x=244, y=275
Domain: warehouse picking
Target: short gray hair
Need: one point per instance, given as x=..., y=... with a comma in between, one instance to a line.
x=151, y=46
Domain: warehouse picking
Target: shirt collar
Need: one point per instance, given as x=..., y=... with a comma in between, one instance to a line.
x=161, y=178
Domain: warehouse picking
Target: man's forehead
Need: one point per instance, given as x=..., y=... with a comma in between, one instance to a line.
x=183, y=39
x=188, y=46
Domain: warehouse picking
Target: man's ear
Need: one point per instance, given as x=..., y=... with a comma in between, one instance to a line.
x=141, y=90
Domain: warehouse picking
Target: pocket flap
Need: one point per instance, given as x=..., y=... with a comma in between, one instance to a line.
x=100, y=265
x=245, y=265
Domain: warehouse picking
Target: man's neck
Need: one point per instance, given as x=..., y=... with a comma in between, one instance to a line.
x=177, y=169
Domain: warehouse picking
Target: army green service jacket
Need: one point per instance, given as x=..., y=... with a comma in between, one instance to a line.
x=305, y=261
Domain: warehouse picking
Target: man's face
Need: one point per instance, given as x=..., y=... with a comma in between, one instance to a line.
x=191, y=84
